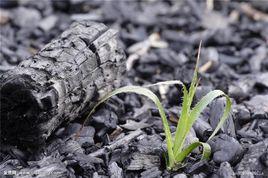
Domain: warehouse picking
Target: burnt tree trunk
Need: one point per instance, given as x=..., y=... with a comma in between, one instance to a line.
x=58, y=83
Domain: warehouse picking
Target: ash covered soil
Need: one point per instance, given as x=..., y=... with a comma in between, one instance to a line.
x=124, y=137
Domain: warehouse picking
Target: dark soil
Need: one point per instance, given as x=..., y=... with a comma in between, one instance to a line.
x=124, y=137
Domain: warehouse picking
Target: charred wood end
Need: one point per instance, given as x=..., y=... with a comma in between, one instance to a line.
x=59, y=82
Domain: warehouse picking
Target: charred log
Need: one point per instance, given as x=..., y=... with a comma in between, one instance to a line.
x=59, y=83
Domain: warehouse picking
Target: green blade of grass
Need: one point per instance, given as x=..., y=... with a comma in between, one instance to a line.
x=202, y=104
x=182, y=129
x=194, y=82
x=184, y=153
x=182, y=123
x=148, y=93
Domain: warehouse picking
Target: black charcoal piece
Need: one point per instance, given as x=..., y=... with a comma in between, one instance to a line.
x=202, y=128
x=133, y=125
x=48, y=23
x=256, y=60
x=115, y=171
x=72, y=130
x=82, y=163
x=141, y=161
x=26, y=17
x=150, y=144
x=216, y=110
x=252, y=160
x=262, y=79
x=201, y=166
x=225, y=148
x=151, y=173
x=104, y=120
x=47, y=167
x=241, y=114
x=264, y=159
x=258, y=106
x=251, y=131
x=226, y=171
x=180, y=176
x=240, y=89
x=56, y=84
x=8, y=3
x=230, y=60
x=70, y=146
x=200, y=175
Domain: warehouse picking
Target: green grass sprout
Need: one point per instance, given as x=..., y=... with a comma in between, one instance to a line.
x=176, y=150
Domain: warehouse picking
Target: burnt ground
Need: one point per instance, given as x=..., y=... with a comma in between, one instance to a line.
x=124, y=138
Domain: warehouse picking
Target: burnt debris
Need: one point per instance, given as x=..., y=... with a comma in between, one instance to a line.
x=55, y=85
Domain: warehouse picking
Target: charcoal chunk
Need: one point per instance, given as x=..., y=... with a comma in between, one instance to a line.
x=225, y=148
x=141, y=161
x=115, y=171
x=251, y=162
x=83, y=164
x=264, y=159
x=226, y=171
x=201, y=166
x=26, y=17
x=151, y=173
x=241, y=113
x=81, y=136
x=46, y=167
x=59, y=82
x=104, y=121
x=258, y=106
x=180, y=176
x=216, y=109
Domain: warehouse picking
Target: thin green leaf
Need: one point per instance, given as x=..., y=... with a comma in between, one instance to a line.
x=194, y=82
x=202, y=104
x=205, y=153
x=154, y=98
x=182, y=123
x=182, y=129
x=224, y=116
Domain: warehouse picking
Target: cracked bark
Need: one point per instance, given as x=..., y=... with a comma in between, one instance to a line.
x=58, y=83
